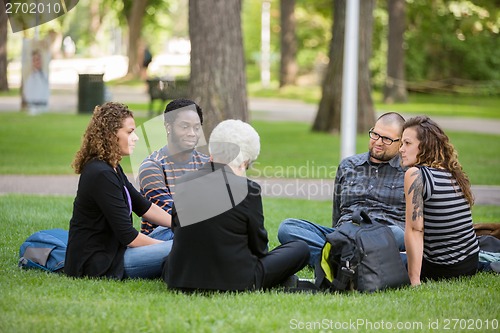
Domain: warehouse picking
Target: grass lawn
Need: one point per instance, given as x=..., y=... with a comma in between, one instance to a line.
x=46, y=144
x=34, y=301
x=454, y=105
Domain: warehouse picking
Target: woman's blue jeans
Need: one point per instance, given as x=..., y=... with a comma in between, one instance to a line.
x=146, y=262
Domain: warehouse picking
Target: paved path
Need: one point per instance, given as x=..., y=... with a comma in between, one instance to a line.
x=310, y=189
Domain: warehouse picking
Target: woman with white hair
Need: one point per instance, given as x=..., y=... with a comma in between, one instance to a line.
x=220, y=239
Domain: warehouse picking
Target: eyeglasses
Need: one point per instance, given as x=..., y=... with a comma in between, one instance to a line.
x=385, y=140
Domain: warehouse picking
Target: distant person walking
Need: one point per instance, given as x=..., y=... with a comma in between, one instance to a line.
x=146, y=60
x=36, y=86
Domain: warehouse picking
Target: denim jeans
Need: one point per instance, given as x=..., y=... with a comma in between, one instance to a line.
x=146, y=262
x=162, y=233
x=315, y=236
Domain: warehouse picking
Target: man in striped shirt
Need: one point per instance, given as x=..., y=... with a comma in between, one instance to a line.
x=157, y=174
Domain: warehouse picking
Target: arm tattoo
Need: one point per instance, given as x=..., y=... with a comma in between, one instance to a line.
x=417, y=188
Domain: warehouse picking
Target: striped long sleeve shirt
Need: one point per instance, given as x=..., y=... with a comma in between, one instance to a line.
x=157, y=175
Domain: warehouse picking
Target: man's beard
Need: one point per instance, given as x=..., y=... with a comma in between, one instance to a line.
x=381, y=157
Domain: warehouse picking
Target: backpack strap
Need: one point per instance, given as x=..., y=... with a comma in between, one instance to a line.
x=346, y=268
x=28, y=263
x=344, y=277
x=360, y=216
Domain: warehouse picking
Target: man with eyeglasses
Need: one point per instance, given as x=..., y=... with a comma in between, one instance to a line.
x=372, y=181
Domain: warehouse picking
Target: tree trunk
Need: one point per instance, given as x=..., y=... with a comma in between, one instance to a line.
x=289, y=68
x=134, y=34
x=4, y=84
x=366, y=110
x=328, y=116
x=217, y=80
x=329, y=112
x=94, y=26
x=395, y=85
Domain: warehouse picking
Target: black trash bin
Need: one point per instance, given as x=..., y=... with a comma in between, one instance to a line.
x=90, y=92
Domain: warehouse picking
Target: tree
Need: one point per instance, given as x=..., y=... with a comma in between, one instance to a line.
x=4, y=84
x=328, y=116
x=452, y=41
x=288, y=67
x=217, y=80
x=329, y=112
x=366, y=110
x=395, y=85
x=96, y=15
x=145, y=20
x=135, y=18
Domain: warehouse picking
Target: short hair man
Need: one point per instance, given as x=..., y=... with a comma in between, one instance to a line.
x=373, y=181
x=183, y=119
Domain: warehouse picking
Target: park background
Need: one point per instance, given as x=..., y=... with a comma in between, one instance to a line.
x=451, y=73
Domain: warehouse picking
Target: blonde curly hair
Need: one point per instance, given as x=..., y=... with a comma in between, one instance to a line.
x=436, y=151
x=100, y=140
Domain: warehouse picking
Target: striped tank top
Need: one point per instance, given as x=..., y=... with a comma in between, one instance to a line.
x=449, y=237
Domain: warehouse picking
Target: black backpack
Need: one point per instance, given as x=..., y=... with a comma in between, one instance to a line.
x=360, y=255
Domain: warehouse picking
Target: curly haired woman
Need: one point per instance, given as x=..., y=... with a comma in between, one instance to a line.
x=439, y=237
x=102, y=239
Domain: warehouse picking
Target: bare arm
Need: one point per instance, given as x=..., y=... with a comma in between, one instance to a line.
x=414, y=229
x=143, y=240
x=158, y=216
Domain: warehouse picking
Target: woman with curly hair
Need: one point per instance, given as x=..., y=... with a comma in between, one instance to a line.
x=102, y=239
x=439, y=237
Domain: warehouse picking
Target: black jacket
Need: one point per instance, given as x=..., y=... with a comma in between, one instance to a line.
x=101, y=226
x=220, y=252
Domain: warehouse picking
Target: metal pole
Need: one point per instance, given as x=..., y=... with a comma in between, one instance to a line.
x=349, y=109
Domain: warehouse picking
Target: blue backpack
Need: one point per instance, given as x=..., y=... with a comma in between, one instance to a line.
x=45, y=249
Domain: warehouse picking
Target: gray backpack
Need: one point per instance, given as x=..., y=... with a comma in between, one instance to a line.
x=360, y=255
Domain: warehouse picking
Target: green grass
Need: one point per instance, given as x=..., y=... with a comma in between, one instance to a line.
x=46, y=144
x=454, y=105
x=459, y=105
x=11, y=92
x=308, y=94
x=449, y=106
x=34, y=301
